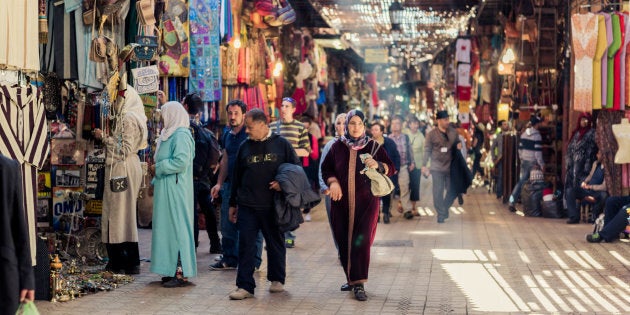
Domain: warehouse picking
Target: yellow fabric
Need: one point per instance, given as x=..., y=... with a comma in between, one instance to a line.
x=602, y=44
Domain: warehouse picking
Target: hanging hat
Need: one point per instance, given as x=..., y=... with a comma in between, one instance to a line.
x=441, y=114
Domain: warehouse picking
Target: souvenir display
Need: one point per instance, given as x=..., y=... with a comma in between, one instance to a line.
x=175, y=61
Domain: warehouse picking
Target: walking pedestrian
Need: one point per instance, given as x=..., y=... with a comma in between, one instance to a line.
x=231, y=139
x=297, y=135
x=354, y=209
x=252, y=203
x=438, y=148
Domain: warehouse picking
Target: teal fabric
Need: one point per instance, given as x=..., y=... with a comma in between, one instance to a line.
x=173, y=206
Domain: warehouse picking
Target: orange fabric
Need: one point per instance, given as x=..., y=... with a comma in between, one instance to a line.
x=584, y=29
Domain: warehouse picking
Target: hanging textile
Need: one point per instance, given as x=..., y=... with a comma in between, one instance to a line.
x=622, y=67
x=612, y=52
x=175, y=62
x=584, y=38
x=229, y=66
x=19, y=26
x=205, y=67
x=600, y=53
x=609, y=41
x=24, y=132
x=463, y=46
x=617, y=64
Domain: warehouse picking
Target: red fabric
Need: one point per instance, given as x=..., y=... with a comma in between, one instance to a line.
x=463, y=93
x=370, y=78
x=617, y=81
x=314, y=155
x=300, y=101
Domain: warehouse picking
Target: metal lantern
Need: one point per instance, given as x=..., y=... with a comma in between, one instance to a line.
x=396, y=15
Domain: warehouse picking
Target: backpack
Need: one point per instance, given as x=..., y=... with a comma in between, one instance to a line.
x=207, y=151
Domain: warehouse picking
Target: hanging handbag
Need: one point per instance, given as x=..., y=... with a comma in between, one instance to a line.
x=380, y=184
x=148, y=46
x=284, y=14
x=146, y=79
x=89, y=11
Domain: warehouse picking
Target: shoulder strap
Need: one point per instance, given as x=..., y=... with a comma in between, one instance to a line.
x=375, y=147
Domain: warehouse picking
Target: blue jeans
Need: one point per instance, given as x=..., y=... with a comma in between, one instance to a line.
x=252, y=221
x=615, y=218
x=229, y=233
x=526, y=167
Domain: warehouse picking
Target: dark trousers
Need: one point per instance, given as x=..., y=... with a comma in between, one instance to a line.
x=498, y=183
x=387, y=201
x=123, y=256
x=477, y=163
x=615, y=218
x=229, y=233
x=204, y=200
x=443, y=197
x=573, y=193
x=250, y=222
x=414, y=185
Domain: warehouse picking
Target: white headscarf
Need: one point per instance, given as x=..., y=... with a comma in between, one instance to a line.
x=174, y=116
x=134, y=108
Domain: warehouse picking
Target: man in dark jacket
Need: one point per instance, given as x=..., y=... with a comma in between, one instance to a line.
x=253, y=189
x=438, y=147
x=376, y=130
x=17, y=281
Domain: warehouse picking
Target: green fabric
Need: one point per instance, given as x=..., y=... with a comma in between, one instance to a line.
x=27, y=308
x=173, y=206
x=612, y=51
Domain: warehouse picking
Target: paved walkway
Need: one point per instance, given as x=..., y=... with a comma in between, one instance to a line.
x=484, y=259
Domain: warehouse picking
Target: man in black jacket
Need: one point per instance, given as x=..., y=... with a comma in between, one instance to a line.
x=253, y=190
x=17, y=281
x=376, y=130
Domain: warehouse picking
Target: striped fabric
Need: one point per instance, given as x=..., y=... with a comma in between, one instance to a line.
x=23, y=138
x=294, y=132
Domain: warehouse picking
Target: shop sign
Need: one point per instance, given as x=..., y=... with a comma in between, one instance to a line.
x=374, y=55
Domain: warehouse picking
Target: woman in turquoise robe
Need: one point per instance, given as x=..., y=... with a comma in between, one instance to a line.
x=173, y=199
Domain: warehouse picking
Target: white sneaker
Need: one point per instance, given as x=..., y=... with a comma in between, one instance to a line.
x=276, y=286
x=307, y=217
x=240, y=294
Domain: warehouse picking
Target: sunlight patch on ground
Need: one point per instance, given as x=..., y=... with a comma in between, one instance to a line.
x=429, y=232
x=454, y=254
x=621, y=259
x=482, y=290
x=524, y=257
x=426, y=211
x=573, y=255
x=590, y=260
x=480, y=255
x=558, y=260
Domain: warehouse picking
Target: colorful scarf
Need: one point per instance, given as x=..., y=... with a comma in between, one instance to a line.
x=355, y=143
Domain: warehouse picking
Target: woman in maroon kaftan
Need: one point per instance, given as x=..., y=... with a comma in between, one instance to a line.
x=354, y=210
